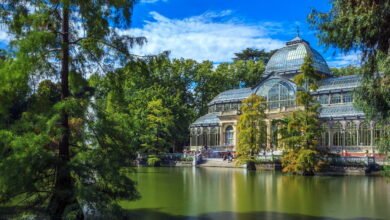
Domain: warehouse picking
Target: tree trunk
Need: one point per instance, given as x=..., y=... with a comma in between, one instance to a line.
x=63, y=193
x=251, y=165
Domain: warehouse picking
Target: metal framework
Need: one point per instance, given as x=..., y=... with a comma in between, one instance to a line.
x=343, y=127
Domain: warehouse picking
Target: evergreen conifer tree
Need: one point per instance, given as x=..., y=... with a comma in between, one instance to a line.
x=54, y=153
x=251, y=129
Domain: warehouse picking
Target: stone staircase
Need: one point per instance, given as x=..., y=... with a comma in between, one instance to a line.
x=218, y=162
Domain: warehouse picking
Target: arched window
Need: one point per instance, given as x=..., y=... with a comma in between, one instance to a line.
x=378, y=132
x=205, y=136
x=229, y=135
x=350, y=134
x=364, y=134
x=214, y=136
x=280, y=96
x=199, y=138
x=324, y=135
x=278, y=93
x=192, y=137
x=337, y=131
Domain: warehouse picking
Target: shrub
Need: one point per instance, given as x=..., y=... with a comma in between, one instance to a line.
x=303, y=161
x=187, y=158
x=153, y=160
x=386, y=171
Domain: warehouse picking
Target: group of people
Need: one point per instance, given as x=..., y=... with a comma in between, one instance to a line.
x=206, y=152
x=228, y=156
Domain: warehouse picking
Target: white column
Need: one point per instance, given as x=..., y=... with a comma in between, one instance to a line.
x=221, y=136
x=357, y=133
x=372, y=126
x=234, y=136
x=330, y=135
x=269, y=135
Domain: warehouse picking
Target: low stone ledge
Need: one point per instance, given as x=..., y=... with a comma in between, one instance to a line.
x=268, y=166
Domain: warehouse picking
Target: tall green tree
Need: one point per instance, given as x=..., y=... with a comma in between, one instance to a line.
x=251, y=129
x=51, y=150
x=253, y=54
x=249, y=65
x=247, y=73
x=301, y=130
x=158, y=122
x=362, y=25
x=129, y=90
x=209, y=83
x=302, y=125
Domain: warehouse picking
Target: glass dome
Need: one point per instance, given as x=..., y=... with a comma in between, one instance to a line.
x=289, y=59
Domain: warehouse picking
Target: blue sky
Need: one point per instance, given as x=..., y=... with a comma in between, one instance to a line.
x=216, y=29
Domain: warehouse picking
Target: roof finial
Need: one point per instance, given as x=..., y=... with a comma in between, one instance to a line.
x=298, y=35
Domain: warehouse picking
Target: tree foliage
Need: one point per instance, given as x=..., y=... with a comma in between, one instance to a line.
x=185, y=87
x=303, y=161
x=158, y=122
x=355, y=24
x=362, y=25
x=301, y=131
x=251, y=128
x=253, y=54
x=346, y=71
x=54, y=153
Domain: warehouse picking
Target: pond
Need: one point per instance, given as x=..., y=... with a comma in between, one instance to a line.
x=223, y=193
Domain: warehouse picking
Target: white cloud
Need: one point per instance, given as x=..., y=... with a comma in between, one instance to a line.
x=210, y=36
x=4, y=36
x=343, y=60
x=152, y=1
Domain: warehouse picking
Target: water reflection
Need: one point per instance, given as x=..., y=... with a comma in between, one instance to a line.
x=213, y=193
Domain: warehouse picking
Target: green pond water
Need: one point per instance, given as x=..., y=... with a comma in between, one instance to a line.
x=222, y=193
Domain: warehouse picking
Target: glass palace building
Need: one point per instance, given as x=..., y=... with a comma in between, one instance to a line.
x=344, y=128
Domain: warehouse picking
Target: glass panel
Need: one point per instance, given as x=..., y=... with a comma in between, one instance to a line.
x=324, y=135
x=338, y=137
x=364, y=134
x=336, y=98
x=226, y=107
x=214, y=136
x=280, y=95
x=347, y=97
x=229, y=135
x=291, y=58
x=323, y=99
x=273, y=97
x=233, y=106
x=378, y=132
x=350, y=134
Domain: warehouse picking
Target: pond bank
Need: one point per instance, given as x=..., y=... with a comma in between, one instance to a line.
x=332, y=170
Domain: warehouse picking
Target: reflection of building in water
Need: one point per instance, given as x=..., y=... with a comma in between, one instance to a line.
x=344, y=127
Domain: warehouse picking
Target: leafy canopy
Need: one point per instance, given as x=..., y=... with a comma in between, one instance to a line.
x=59, y=153
x=251, y=128
x=301, y=131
